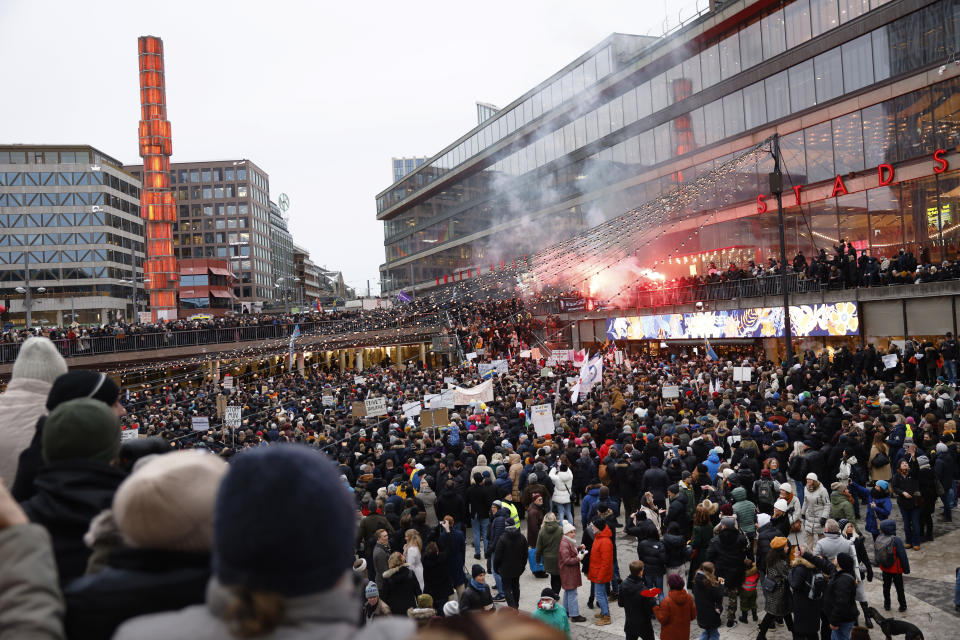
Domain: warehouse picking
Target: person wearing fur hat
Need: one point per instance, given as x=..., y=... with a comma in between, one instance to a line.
x=164, y=514
x=37, y=366
x=814, y=511
x=280, y=567
x=77, y=481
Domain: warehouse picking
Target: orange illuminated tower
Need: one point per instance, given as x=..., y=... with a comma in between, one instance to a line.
x=156, y=199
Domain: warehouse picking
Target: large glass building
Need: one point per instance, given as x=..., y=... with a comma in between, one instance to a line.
x=849, y=85
x=71, y=236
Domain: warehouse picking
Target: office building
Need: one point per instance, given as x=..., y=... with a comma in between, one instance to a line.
x=206, y=287
x=863, y=90
x=485, y=111
x=71, y=235
x=403, y=166
x=281, y=257
x=223, y=211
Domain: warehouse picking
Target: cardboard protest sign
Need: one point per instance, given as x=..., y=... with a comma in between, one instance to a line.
x=376, y=407
x=359, y=410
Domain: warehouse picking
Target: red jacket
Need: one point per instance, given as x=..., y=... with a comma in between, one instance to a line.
x=601, y=557
x=675, y=613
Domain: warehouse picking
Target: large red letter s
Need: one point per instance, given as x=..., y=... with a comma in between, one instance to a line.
x=939, y=163
x=761, y=204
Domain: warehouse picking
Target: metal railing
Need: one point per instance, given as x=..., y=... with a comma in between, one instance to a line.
x=129, y=342
x=771, y=285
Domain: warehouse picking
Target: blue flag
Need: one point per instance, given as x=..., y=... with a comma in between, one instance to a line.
x=710, y=352
x=404, y=297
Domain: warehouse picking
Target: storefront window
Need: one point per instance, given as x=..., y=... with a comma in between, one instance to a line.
x=857, y=63
x=823, y=223
x=853, y=220
x=914, y=119
x=921, y=214
x=949, y=184
x=946, y=111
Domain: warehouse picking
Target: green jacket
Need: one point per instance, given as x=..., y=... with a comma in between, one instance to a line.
x=548, y=547
x=556, y=617
x=745, y=511
x=840, y=507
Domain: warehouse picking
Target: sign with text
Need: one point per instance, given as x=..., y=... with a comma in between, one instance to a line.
x=376, y=407
x=329, y=401
x=200, y=423
x=358, y=410
x=671, y=391
x=411, y=409
x=542, y=418
x=232, y=416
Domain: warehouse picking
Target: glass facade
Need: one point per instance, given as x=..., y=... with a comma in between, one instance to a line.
x=546, y=171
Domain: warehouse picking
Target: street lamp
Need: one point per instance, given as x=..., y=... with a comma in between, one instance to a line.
x=27, y=300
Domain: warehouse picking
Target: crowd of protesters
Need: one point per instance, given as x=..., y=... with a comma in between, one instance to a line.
x=747, y=503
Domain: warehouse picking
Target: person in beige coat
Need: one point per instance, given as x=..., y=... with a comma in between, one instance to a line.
x=516, y=467
x=25, y=400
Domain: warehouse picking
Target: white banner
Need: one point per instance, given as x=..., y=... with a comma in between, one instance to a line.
x=443, y=400
x=524, y=354
x=542, y=418
x=481, y=393
x=129, y=433
x=228, y=382
x=742, y=374
x=411, y=409
x=329, y=401
x=200, y=424
x=890, y=361
x=359, y=380
x=376, y=407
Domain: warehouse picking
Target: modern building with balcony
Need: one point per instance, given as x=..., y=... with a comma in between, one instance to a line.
x=71, y=236
x=206, y=287
x=864, y=95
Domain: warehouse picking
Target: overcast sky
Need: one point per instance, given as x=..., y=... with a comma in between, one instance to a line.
x=319, y=94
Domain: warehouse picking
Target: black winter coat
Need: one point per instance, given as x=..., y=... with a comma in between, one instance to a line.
x=400, y=589
x=727, y=551
x=840, y=598
x=68, y=496
x=436, y=576
x=136, y=582
x=655, y=481
x=510, y=554
x=708, y=600
x=677, y=512
x=473, y=600
x=675, y=548
x=777, y=527
x=638, y=608
x=806, y=612
x=654, y=555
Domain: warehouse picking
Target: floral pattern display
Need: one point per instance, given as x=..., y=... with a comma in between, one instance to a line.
x=836, y=319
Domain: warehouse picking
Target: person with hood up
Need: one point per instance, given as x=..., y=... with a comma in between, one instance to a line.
x=708, y=598
x=727, y=551
x=81, y=439
x=510, y=561
x=280, y=567
x=814, y=511
x=37, y=366
x=550, y=612
x=481, y=468
x=568, y=563
x=746, y=513
x=589, y=503
x=776, y=600
x=650, y=550
x=164, y=513
x=891, y=556
x=713, y=465
x=676, y=611
x=656, y=481
x=428, y=497
x=841, y=504
x=547, y=549
x=600, y=572
x=423, y=613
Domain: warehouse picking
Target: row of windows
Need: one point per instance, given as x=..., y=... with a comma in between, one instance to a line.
x=46, y=157
x=901, y=129
x=66, y=255
x=900, y=47
x=560, y=90
x=59, y=239
x=50, y=178
x=764, y=38
x=211, y=238
x=214, y=174
x=55, y=276
x=220, y=209
x=219, y=223
x=68, y=199
x=207, y=192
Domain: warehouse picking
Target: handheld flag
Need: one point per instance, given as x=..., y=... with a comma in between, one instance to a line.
x=710, y=352
x=404, y=297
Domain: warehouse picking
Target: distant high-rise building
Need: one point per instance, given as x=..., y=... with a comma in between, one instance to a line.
x=281, y=257
x=223, y=208
x=70, y=234
x=403, y=166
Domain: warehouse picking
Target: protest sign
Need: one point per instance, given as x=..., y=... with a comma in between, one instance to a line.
x=481, y=393
x=890, y=361
x=411, y=409
x=228, y=381
x=376, y=407
x=359, y=410
x=329, y=401
x=129, y=432
x=546, y=372
x=671, y=391
x=542, y=417
x=742, y=374
x=200, y=423
x=358, y=380
x=535, y=353
x=232, y=416
x=524, y=354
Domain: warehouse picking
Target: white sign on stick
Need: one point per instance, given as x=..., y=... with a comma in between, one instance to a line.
x=890, y=361
x=200, y=423
x=376, y=407
x=411, y=409
x=542, y=418
x=232, y=415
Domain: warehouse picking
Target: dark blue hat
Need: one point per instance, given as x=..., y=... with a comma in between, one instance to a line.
x=283, y=522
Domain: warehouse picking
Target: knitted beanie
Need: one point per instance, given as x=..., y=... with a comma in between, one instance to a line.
x=168, y=502
x=38, y=360
x=283, y=522
x=83, y=384
x=81, y=429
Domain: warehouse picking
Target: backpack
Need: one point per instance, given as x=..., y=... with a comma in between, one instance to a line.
x=818, y=585
x=765, y=493
x=883, y=551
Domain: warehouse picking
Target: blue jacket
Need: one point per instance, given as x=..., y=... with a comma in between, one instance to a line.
x=503, y=482
x=874, y=515
x=495, y=530
x=589, y=504
x=712, y=464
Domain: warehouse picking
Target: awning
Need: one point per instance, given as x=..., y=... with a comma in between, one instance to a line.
x=222, y=272
x=221, y=293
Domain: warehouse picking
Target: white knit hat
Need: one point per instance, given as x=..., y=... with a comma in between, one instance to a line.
x=168, y=502
x=39, y=360
x=568, y=527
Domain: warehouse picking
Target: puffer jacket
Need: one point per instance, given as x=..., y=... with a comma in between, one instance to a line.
x=712, y=464
x=569, y=565
x=674, y=546
x=481, y=468
x=331, y=615
x=510, y=555
x=840, y=507
x=675, y=613
x=516, y=468
x=832, y=545
x=816, y=507
x=745, y=511
x=601, y=557
x=21, y=405
x=727, y=551
x=562, y=485
x=840, y=599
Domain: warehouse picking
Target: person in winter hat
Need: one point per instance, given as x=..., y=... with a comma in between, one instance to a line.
x=550, y=612
x=373, y=606
x=676, y=611
x=69, y=386
x=164, y=513
x=37, y=365
x=270, y=556
x=80, y=442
